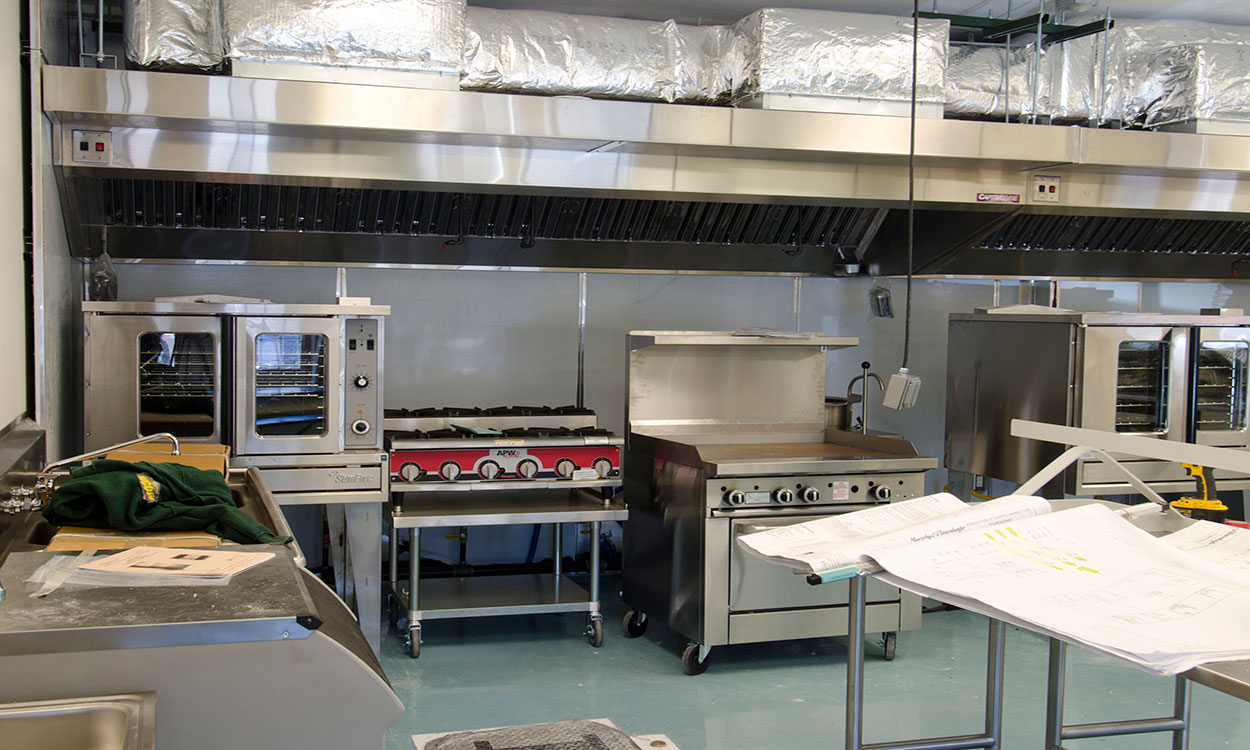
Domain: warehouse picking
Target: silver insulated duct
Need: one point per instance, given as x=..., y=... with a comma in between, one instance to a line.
x=173, y=33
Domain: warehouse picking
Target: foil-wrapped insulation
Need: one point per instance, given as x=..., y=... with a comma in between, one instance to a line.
x=410, y=35
x=1133, y=46
x=173, y=34
x=985, y=80
x=836, y=54
x=1072, y=79
x=540, y=52
x=699, y=61
x=1198, y=82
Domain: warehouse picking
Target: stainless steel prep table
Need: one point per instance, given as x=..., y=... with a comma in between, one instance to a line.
x=544, y=593
x=246, y=664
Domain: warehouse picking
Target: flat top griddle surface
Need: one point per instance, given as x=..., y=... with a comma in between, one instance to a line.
x=725, y=452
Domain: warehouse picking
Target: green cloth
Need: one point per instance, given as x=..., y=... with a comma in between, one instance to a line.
x=144, y=496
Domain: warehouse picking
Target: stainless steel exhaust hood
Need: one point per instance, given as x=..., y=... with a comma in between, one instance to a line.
x=218, y=168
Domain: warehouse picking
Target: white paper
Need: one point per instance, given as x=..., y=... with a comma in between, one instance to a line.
x=1090, y=577
x=1226, y=546
x=851, y=538
x=178, y=562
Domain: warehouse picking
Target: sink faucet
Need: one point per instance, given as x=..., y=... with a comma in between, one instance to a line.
x=44, y=482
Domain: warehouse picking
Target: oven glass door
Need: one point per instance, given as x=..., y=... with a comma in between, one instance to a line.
x=757, y=585
x=289, y=380
x=1220, y=409
x=1134, y=381
x=151, y=373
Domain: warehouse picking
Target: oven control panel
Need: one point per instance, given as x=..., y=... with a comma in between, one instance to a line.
x=362, y=389
x=813, y=490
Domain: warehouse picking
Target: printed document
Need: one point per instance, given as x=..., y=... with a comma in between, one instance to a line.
x=199, y=563
x=852, y=538
x=1088, y=576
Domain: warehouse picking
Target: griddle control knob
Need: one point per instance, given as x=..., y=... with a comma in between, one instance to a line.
x=784, y=496
x=882, y=493
x=810, y=495
x=735, y=497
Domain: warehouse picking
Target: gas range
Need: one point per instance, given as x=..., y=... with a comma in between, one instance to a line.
x=504, y=443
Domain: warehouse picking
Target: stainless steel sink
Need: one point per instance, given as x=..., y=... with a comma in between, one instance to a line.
x=113, y=722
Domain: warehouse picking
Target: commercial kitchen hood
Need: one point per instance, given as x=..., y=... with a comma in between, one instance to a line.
x=201, y=167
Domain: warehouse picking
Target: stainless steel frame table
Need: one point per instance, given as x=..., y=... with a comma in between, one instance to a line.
x=499, y=595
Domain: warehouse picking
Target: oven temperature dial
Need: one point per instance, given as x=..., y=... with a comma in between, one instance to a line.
x=810, y=495
x=361, y=381
x=784, y=496
x=882, y=493
x=735, y=497
x=360, y=427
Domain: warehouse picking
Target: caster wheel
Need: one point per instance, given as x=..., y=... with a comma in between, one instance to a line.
x=690, y=663
x=594, y=633
x=889, y=642
x=634, y=623
x=414, y=644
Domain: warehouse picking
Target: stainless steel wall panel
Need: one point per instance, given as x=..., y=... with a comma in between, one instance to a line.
x=997, y=372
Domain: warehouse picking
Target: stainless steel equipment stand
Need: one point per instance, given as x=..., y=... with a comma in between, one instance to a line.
x=489, y=596
x=1057, y=731
x=992, y=735
x=358, y=562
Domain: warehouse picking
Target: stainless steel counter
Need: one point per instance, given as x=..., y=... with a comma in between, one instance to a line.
x=269, y=602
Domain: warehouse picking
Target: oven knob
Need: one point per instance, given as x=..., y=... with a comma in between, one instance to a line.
x=735, y=497
x=882, y=493
x=784, y=496
x=489, y=470
x=810, y=495
x=565, y=467
x=603, y=466
x=528, y=468
x=410, y=472
x=361, y=381
x=360, y=427
x=449, y=471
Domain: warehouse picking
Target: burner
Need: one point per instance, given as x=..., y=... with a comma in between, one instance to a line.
x=509, y=411
x=537, y=432
x=592, y=432
x=444, y=412
x=445, y=434
x=396, y=413
x=571, y=411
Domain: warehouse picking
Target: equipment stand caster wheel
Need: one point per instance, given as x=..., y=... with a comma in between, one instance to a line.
x=594, y=633
x=414, y=643
x=695, y=659
x=634, y=623
x=889, y=642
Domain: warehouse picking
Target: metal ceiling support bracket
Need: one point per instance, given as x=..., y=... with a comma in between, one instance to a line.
x=1016, y=26
x=1058, y=34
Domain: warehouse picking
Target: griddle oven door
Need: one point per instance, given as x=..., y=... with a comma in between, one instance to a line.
x=757, y=585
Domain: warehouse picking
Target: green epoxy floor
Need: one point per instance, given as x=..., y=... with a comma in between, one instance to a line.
x=520, y=670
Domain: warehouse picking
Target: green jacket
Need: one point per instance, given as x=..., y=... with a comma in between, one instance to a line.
x=144, y=496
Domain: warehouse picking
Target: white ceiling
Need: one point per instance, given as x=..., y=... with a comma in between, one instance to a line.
x=727, y=11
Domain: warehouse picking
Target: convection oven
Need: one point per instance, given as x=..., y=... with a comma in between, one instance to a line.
x=1179, y=378
x=295, y=390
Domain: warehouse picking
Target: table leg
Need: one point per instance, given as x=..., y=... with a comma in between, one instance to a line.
x=1180, y=736
x=335, y=522
x=364, y=542
x=557, y=548
x=994, y=684
x=1056, y=674
x=855, y=665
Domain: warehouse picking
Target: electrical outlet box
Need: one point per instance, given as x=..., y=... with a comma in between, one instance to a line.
x=902, y=390
x=1045, y=189
x=93, y=147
